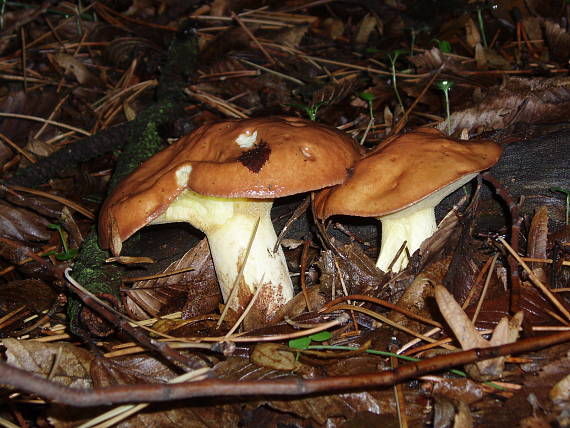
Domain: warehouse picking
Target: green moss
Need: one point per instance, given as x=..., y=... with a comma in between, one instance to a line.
x=90, y=269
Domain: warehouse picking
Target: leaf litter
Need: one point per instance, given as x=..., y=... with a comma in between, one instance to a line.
x=78, y=72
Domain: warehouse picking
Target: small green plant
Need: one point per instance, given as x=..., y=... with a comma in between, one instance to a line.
x=567, y=193
x=305, y=341
x=393, y=58
x=67, y=253
x=479, y=8
x=311, y=110
x=443, y=45
x=445, y=86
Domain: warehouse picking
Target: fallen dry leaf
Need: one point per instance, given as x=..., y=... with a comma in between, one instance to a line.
x=506, y=332
x=196, y=290
x=61, y=362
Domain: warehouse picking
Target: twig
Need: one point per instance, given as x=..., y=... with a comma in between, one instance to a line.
x=293, y=386
x=387, y=321
x=516, y=221
x=384, y=303
x=49, y=122
x=120, y=320
x=73, y=205
x=485, y=287
x=299, y=211
x=402, y=122
x=303, y=272
x=253, y=38
x=23, y=152
x=553, y=299
x=270, y=71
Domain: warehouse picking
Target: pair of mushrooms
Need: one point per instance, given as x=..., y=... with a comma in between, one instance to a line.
x=223, y=177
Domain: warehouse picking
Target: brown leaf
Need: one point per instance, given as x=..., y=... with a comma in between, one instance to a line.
x=472, y=35
x=359, y=272
x=558, y=41
x=462, y=389
x=22, y=225
x=34, y=294
x=198, y=289
x=538, y=234
x=145, y=369
x=63, y=362
x=538, y=241
x=73, y=66
x=273, y=356
x=536, y=100
x=464, y=330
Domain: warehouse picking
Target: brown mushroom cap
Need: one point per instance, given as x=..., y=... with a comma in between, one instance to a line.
x=404, y=171
x=274, y=157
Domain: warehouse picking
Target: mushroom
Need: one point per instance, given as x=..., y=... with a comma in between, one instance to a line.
x=222, y=178
x=401, y=181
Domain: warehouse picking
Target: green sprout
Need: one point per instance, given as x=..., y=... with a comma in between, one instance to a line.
x=68, y=253
x=481, y=26
x=393, y=57
x=443, y=45
x=305, y=341
x=479, y=8
x=567, y=193
x=445, y=86
x=310, y=110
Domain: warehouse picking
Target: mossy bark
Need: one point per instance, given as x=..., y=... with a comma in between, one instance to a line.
x=144, y=140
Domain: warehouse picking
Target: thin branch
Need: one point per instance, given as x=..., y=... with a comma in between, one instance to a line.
x=292, y=387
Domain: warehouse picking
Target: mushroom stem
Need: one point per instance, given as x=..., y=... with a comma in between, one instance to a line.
x=228, y=245
x=412, y=228
x=229, y=224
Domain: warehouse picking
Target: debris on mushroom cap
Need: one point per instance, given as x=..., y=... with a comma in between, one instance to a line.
x=403, y=171
x=252, y=158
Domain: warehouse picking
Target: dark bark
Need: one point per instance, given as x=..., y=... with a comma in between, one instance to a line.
x=71, y=155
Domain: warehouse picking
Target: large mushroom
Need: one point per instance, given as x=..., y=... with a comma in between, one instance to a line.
x=222, y=179
x=401, y=182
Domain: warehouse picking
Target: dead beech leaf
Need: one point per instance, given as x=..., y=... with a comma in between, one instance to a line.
x=558, y=41
x=72, y=66
x=359, y=272
x=561, y=391
x=63, y=362
x=506, y=332
x=39, y=148
x=536, y=100
x=34, y=294
x=472, y=35
x=538, y=233
x=461, y=389
x=197, y=289
x=298, y=304
x=22, y=225
x=334, y=27
x=538, y=240
x=142, y=369
x=365, y=27
x=273, y=356
x=292, y=36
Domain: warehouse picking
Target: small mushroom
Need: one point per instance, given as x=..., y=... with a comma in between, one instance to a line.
x=222, y=178
x=401, y=182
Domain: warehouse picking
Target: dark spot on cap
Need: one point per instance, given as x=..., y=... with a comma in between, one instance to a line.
x=255, y=158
